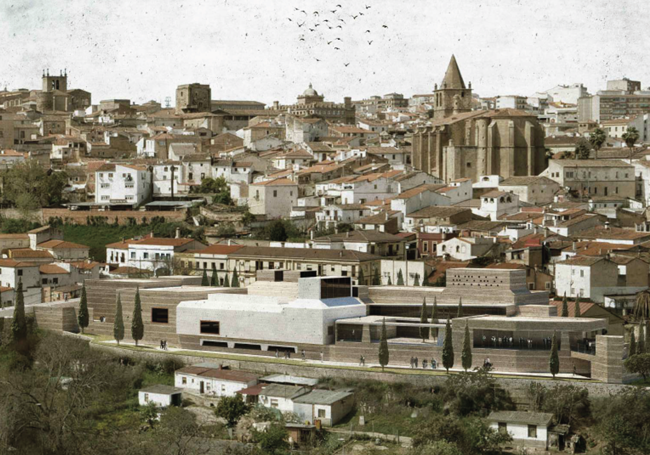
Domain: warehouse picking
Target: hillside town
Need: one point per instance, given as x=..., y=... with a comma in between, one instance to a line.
x=284, y=276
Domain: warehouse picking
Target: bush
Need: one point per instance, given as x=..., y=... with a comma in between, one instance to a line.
x=639, y=364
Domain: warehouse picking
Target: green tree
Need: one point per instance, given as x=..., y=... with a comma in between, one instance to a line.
x=376, y=278
x=597, y=138
x=640, y=344
x=448, y=348
x=277, y=231
x=460, y=308
x=582, y=150
x=231, y=409
x=565, y=307
x=137, y=327
x=82, y=317
x=400, y=278
x=235, y=279
x=639, y=364
x=383, y=346
x=630, y=137
x=424, y=331
x=215, y=279
x=416, y=281
x=577, y=312
x=274, y=440
x=434, y=314
x=204, y=278
x=623, y=423
x=118, y=324
x=390, y=283
x=362, y=278
x=19, y=322
x=554, y=361
x=226, y=281
x=466, y=355
x=632, y=350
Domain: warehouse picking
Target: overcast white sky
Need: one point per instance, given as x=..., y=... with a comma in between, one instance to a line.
x=143, y=49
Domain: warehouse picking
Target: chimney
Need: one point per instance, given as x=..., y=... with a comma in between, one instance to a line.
x=347, y=101
x=178, y=233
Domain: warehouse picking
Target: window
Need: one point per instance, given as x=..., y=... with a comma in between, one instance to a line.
x=184, y=381
x=274, y=402
x=160, y=315
x=145, y=255
x=44, y=281
x=532, y=431
x=321, y=413
x=20, y=272
x=275, y=193
x=55, y=280
x=211, y=327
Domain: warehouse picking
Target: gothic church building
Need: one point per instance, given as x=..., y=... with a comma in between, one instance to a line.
x=461, y=143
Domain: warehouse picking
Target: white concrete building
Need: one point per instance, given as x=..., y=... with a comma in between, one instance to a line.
x=497, y=203
x=233, y=171
x=273, y=198
x=122, y=184
x=149, y=253
x=465, y=248
x=528, y=429
x=160, y=395
x=211, y=379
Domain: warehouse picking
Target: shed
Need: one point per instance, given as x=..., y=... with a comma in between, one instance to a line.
x=326, y=406
x=528, y=429
x=161, y=395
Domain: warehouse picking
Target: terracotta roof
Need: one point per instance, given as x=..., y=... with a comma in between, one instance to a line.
x=304, y=253
x=582, y=260
x=51, y=269
x=360, y=236
x=61, y=244
x=14, y=237
x=437, y=212
x=571, y=304
x=12, y=263
x=85, y=265
x=20, y=253
x=613, y=234
x=218, y=249
x=276, y=182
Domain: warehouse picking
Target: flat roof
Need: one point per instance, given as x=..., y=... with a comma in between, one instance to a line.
x=525, y=418
x=323, y=396
x=289, y=379
x=161, y=389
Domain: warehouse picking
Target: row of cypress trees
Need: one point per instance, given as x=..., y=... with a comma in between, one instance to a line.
x=205, y=281
x=640, y=345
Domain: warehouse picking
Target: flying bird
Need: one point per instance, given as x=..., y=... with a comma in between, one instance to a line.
x=346, y=64
x=332, y=11
x=336, y=48
x=385, y=26
x=303, y=11
x=338, y=39
x=317, y=25
x=369, y=43
x=318, y=60
x=300, y=25
x=290, y=19
x=312, y=29
x=368, y=7
x=354, y=17
x=360, y=13
x=316, y=13
x=342, y=20
x=325, y=20
x=367, y=31
x=329, y=42
x=302, y=39
x=339, y=6
x=338, y=26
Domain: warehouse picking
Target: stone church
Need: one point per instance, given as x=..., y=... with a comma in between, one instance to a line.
x=461, y=143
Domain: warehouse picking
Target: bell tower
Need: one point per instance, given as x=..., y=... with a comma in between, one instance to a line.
x=52, y=83
x=452, y=97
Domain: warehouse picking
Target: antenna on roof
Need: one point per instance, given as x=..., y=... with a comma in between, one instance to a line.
x=168, y=101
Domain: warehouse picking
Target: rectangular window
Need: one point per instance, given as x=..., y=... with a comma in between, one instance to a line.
x=184, y=380
x=532, y=431
x=160, y=315
x=274, y=402
x=211, y=327
x=503, y=428
x=321, y=413
x=20, y=272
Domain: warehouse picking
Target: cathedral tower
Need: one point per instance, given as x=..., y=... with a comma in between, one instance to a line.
x=452, y=97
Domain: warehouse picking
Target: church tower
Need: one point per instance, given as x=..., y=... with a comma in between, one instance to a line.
x=452, y=97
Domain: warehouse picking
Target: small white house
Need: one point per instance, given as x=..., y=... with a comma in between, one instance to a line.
x=281, y=396
x=161, y=395
x=328, y=406
x=528, y=429
x=213, y=381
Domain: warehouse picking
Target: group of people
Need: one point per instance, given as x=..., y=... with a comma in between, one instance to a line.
x=163, y=345
x=415, y=362
x=509, y=342
x=287, y=354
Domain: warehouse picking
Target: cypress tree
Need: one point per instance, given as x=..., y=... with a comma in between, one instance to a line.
x=390, y=282
x=565, y=307
x=362, y=278
x=448, y=349
x=204, y=278
x=434, y=314
x=226, y=281
x=235, y=279
x=137, y=327
x=460, y=308
x=383, y=346
x=416, y=281
x=424, y=331
x=82, y=317
x=640, y=344
x=118, y=324
x=400, y=278
x=554, y=361
x=466, y=355
x=577, y=305
x=632, y=350
x=646, y=333
x=376, y=279
x=215, y=279
x=19, y=323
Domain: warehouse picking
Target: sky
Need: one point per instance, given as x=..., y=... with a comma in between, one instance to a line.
x=267, y=50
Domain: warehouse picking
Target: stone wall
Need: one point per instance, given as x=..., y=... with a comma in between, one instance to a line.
x=81, y=217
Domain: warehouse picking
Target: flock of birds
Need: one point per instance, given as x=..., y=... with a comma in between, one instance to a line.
x=323, y=26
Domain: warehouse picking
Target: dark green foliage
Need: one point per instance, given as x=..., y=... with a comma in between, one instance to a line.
x=567, y=403
x=416, y=281
x=448, y=348
x=274, y=440
x=214, y=281
x=17, y=225
x=577, y=305
x=390, y=283
x=554, y=360
x=639, y=364
x=226, y=281
x=29, y=186
x=424, y=331
x=235, y=279
x=204, y=278
x=18, y=322
x=376, y=279
x=623, y=422
x=460, y=308
x=630, y=137
x=640, y=344
x=82, y=317
x=219, y=187
x=137, y=327
x=280, y=231
x=597, y=138
x=383, y=347
x=565, y=307
x=118, y=324
x=400, y=278
x=441, y=282
x=434, y=311
x=362, y=278
x=632, y=349
x=231, y=409
x=466, y=355
x=582, y=150
x=475, y=393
